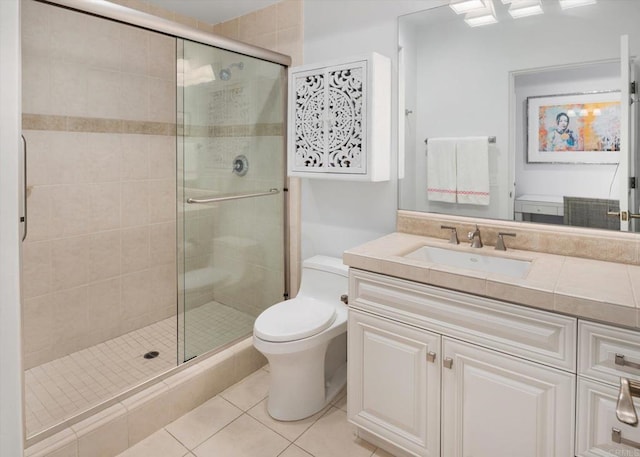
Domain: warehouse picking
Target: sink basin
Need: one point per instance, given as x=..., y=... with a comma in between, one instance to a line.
x=472, y=261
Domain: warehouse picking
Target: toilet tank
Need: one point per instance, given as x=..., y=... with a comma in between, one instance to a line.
x=324, y=278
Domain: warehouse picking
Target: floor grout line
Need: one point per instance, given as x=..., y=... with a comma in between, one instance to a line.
x=60, y=388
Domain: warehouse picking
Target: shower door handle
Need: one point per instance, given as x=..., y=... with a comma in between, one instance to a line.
x=23, y=218
x=233, y=197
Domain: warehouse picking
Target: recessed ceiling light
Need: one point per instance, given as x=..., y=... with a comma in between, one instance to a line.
x=566, y=4
x=482, y=16
x=484, y=19
x=525, y=8
x=464, y=6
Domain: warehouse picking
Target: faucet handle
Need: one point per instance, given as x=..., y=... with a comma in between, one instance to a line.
x=475, y=238
x=500, y=246
x=453, y=239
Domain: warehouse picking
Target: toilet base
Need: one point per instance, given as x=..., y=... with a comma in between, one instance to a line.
x=298, y=389
x=332, y=389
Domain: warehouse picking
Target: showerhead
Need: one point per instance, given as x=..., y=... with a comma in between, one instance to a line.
x=225, y=73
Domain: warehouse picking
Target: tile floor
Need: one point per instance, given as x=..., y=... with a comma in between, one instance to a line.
x=236, y=424
x=64, y=387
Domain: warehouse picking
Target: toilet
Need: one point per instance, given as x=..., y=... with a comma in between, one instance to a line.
x=305, y=341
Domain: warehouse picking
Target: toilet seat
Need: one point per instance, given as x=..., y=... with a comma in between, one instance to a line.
x=295, y=319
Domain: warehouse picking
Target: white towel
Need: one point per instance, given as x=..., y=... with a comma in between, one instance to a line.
x=441, y=169
x=472, y=178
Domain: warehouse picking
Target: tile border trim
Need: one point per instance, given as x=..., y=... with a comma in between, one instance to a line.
x=57, y=123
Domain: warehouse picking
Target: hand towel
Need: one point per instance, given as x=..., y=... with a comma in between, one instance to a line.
x=472, y=177
x=441, y=169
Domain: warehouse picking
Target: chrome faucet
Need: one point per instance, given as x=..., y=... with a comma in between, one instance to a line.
x=453, y=238
x=474, y=237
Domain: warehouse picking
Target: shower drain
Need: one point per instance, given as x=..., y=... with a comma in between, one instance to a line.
x=151, y=355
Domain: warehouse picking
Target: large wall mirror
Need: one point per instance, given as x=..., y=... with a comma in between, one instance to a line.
x=527, y=118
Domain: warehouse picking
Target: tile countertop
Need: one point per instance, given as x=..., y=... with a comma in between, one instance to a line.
x=593, y=289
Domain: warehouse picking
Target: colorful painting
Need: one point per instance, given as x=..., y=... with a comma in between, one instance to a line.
x=575, y=128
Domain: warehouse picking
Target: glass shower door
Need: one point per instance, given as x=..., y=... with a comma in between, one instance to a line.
x=231, y=205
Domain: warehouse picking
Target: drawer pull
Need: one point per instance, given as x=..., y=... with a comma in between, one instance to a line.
x=616, y=437
x=625, y=411
x=620, y=360
x=431, y=357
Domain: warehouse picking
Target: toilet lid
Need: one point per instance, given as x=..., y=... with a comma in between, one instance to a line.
x=295, y=319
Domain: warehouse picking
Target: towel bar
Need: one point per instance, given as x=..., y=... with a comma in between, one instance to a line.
x=492, y=140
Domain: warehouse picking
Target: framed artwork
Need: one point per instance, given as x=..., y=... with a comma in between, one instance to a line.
x=574, y=128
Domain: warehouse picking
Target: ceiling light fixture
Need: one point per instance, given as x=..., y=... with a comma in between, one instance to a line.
x=464, y=6
x=477, y=21
x=525, y=8
x=566, y=4
x=485, y=16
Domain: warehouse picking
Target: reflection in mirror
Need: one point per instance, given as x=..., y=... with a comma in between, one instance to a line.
x=523, y=119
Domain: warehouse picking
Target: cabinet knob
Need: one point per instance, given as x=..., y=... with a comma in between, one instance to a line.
x=447, y=362
x=344, y=298
x=431, y=357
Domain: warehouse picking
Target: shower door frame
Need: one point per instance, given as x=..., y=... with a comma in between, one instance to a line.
x=125, y=15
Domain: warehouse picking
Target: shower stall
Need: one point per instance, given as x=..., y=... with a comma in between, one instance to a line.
x=155, y=200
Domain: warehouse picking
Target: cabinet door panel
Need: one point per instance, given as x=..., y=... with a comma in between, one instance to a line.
x=596, y=412
x=393, y=391
x=308, y=124
x=501, y=406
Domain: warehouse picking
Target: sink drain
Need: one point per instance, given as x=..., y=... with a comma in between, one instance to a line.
x=151, y=355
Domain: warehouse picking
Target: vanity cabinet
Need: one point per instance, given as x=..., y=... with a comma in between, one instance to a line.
x=436, y=372
x=607, y=355
x=340, y=119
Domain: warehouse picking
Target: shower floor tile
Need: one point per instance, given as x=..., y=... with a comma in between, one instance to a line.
x=62, y=388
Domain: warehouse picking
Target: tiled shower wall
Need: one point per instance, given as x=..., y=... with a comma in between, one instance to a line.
x=279, y=27
x=240, y=242
x=99, y=120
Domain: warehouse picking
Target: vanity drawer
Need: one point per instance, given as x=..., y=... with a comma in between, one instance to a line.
x=533, y=208
x=599, y=345
x=533, y=334
x=598, y=429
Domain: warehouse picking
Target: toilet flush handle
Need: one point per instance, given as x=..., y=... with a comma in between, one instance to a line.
x=344, y=298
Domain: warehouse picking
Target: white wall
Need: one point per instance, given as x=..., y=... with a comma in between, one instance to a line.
x=338, y=215
x=11, y=435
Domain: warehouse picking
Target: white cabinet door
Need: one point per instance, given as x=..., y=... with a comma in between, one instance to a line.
x=598, y=428
x=339, y=120
x=497, y=405
x=330, y=124
x=394, y=383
